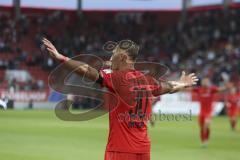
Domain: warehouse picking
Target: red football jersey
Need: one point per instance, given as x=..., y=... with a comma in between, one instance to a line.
x=128, y=120
x=206, y=98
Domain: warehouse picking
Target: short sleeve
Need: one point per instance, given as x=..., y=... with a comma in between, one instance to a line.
x=154, y=86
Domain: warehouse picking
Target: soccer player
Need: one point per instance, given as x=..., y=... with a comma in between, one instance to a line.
x=205, y=95
x=232, y=104
x=128, y=137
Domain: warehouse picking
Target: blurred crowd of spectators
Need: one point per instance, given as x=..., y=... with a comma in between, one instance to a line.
x=14, y=38
x=12, y=31
x=15, y=53
x=208, y=43
x=30, y=85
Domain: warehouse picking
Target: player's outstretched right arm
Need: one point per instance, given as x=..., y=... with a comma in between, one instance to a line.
x=78, y=67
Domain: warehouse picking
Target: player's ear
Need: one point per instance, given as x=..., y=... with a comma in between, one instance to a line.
x=124, y=57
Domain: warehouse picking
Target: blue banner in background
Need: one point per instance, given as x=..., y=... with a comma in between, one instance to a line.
x=56, y=97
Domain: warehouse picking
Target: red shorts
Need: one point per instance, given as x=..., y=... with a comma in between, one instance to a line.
x=232, y=112
x=203, y=118
x=126, y=156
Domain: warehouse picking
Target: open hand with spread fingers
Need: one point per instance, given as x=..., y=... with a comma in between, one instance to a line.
x=53, y=51
x=188, y=80
x=185, y=81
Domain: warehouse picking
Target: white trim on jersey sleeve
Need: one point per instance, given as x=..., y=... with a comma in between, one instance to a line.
x=107, y=71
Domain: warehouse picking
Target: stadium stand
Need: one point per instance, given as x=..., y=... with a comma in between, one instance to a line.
x=191, y=45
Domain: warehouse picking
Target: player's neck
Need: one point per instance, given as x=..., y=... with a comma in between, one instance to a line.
x=126, y=67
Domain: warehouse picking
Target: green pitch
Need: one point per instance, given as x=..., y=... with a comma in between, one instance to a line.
x=39, y=135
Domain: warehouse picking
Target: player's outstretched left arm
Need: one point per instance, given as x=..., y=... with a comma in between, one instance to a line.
x=184, y=82
x=78, y=67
